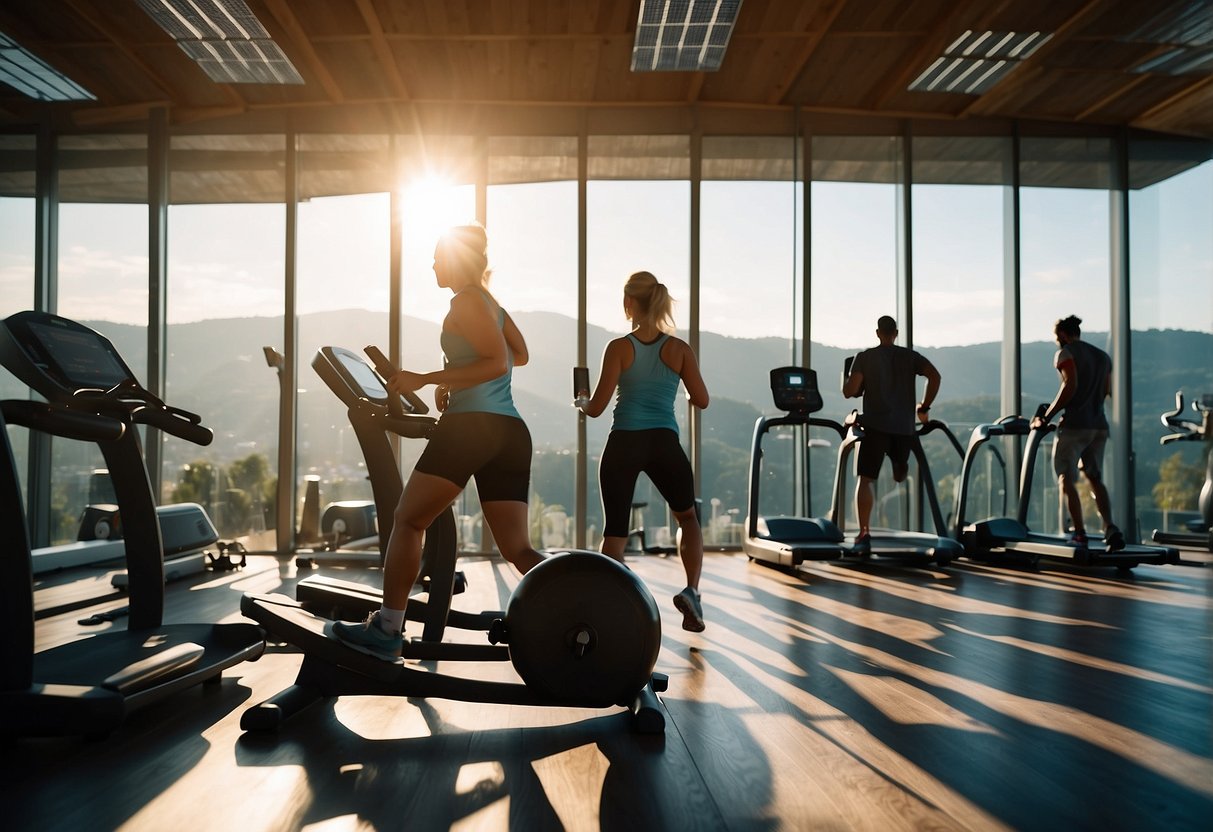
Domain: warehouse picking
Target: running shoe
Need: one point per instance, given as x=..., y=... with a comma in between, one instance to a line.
x=862, y=545
x=687, y=602
x=368, y=637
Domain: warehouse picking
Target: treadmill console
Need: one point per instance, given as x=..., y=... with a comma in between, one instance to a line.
x=57, y=356
x=795, y=390
x=352, y=378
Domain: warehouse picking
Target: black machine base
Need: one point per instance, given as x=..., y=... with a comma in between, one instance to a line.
x=331, y=669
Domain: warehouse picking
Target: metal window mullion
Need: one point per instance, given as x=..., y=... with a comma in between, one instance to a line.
x=1011, y=376
x=288, y=423
x=1123, y=492
x=694, y=417
x=581, y=484
x=46, y=299
x=157, y=284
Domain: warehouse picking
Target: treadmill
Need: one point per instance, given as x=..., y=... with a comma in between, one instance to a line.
x=788, y=540
x=1199, y=533
x=917, y=546
x=375, y=413
x=87, y=687
x=1009, y=538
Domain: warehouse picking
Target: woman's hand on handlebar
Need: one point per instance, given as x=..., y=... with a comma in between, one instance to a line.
x=442, y=397
x=406, y=381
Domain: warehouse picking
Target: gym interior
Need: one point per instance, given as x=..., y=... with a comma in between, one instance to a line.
x=210, y=209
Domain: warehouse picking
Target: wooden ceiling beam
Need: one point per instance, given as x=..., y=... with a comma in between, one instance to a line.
x=1173, y=100
x=1094, y=108
x=281, y=10
x=135, y=112
x=815, y=36
x=383, y=51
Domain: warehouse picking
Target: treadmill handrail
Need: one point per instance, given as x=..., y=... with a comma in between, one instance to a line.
x=854, y=435
x=762, y=425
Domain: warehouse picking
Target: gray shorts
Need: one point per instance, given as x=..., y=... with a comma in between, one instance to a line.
x=1075, y=444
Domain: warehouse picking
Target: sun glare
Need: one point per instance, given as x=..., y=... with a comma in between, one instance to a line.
x=432, y=204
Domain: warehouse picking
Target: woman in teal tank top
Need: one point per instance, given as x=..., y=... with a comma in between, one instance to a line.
x=646, y=367
x=480, y=434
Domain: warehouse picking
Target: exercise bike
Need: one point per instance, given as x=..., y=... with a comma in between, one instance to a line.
x=1200, y=530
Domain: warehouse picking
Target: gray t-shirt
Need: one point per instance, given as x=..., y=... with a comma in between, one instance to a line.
x=1091, y=368
x=889, y=387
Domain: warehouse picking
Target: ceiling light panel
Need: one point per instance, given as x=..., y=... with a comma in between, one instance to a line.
x=31, y=76
x=225, y=38
x=683, y=35
x=976, y=61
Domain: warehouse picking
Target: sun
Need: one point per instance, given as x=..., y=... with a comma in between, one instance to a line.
x=431, y=204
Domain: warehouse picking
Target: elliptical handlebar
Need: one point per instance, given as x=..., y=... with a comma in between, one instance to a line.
x=1186, y=429
x=386, y=370
x=144, y=407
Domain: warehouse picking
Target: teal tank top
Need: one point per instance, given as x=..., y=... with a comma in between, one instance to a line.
x=645, y=397
x=492, y=396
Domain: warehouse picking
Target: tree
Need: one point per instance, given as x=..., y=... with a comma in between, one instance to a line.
x=1179, y=484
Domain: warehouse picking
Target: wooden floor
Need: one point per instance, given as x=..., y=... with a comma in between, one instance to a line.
x=841, y=697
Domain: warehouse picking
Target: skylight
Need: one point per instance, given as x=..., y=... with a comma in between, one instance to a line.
x=225, y=38
x=683, y=35
x=30, y=75
x=976, y=61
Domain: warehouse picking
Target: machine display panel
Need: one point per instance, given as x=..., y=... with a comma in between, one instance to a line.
x=80, y=357
x=363, y=375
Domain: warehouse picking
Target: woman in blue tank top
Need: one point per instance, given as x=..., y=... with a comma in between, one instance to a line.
x=480, y=434
x=646, y=367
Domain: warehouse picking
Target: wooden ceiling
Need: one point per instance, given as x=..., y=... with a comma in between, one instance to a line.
x=450, y=57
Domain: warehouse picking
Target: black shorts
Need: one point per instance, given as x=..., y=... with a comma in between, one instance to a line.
x=655, y=452
x=494, y=449
x=876, y=445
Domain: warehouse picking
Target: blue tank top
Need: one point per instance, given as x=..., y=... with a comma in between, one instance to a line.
x=645, y=397
x=492, y=396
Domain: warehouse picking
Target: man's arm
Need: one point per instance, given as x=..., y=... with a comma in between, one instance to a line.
x=928, y=396
x=852, y=386
x=1064, y=393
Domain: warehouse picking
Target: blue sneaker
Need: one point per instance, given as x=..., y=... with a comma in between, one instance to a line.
x=687, y=602
x=862, y=547
x=368, y=637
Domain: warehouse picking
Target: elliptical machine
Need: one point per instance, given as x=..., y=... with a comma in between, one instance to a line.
x=1200, y=530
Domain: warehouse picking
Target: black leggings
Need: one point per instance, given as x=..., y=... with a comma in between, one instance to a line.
x=655, y=452
x=493, y=448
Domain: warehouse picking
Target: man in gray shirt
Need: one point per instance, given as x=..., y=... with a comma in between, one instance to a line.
x=1086, y=380
x=886, y=378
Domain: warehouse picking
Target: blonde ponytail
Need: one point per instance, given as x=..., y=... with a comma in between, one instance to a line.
x=652, y=301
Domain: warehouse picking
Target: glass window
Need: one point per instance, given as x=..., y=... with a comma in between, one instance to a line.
x=224, y=304
x=855, y=252
x=750, y=236
x=343, y=272
x=17, y=245
x=958, y=228
x=1065, y=269
x=437, y=191
x=18, y=221
x=634, y=225
x=1171, y=222
x=533, y=247
x=102, y=283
